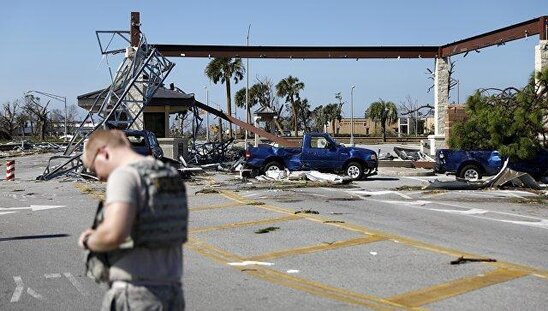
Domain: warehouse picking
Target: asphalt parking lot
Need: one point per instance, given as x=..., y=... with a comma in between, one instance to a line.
x=381, y=243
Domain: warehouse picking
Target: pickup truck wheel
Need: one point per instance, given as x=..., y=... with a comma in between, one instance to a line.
x=470, y=172
x=273, y=166
x=354, y=170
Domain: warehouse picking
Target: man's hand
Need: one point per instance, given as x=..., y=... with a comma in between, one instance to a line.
x=83, y=236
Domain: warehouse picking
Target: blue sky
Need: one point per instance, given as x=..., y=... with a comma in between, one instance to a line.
x=51, y=45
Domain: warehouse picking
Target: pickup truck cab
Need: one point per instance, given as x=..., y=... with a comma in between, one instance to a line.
x=144, y=142
x=318, y=151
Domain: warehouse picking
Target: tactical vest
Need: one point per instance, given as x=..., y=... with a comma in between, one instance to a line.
x=161, y=220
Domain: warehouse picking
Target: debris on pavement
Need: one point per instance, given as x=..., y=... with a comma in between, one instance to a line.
x=286, y=175
x=505, y=177
x=267, y=230
x=463, y=259
x=308, y=211
x=206, y=191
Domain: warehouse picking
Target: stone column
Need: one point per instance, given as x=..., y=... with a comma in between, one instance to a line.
x=541, y=55
x=134, y=98
x=441, y=100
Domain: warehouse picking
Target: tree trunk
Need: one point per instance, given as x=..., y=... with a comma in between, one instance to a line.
x=295, y=120
x=228, y=106
x=383, y=126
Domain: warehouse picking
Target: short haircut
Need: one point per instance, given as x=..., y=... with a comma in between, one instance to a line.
x=102, y=138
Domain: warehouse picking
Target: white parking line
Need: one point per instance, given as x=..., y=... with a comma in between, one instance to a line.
x=75, y=283
x=381, y=192
x=472, y=212
x=52, y=275
x=18, y=289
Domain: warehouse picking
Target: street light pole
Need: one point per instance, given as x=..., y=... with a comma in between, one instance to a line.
x=352, y=115
x=247, y=88
x=56, y=97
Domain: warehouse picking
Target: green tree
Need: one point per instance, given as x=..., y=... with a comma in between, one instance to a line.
x=222, y=69
x=382, y=112
x=333, y=112
x=289, y=88
x=510, y=121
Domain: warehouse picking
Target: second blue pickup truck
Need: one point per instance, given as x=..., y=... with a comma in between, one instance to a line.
x=318, y=151
x=474, y=164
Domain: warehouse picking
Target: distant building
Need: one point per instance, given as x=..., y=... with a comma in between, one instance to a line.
x=404, y=125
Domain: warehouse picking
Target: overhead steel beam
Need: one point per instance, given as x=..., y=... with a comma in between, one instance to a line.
x=537, y=26
x=297, y=52
x=496, y=37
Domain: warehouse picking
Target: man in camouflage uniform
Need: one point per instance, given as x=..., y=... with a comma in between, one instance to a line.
x=136, y=244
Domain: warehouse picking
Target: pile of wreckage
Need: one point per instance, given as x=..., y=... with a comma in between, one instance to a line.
x=26, y=147
x=415, y=157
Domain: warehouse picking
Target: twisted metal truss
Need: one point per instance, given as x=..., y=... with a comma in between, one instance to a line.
x=137, y=79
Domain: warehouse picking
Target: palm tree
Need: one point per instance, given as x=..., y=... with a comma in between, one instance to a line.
x=223, y=69
x=332, y=113
x=383, y=112
x=290, y=88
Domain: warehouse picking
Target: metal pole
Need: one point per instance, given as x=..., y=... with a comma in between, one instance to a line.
x=458, y=91
x=66, y=117
x=247, y=88
x=207, y=114
x=352, y=115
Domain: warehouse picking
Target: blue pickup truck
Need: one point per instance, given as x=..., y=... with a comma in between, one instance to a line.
x=473, y=165
x=318, y=151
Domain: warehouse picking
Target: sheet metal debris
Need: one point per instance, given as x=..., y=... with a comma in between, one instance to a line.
x=316, y=176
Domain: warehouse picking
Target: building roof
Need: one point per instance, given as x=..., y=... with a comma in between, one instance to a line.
x=265, y=110
x=162, y=97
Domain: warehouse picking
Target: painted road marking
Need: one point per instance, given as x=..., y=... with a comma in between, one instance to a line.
x=472, y=212
x=52, y=275
x=301, y=284
x=286, y=280
x=75, y=283
x=382, y=192
x=216, y=206
x=244, y=224
x=400, y=239
x=34, y=208
x=19, y=287
x=5, y=213
x=318, y=248
x=457, y=287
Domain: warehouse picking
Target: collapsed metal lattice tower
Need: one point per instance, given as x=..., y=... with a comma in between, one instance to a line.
x=119, y=106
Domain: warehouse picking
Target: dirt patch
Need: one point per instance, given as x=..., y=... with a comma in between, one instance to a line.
x=94, y=192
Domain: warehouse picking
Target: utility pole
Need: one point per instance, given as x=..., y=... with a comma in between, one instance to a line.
x=247, y=89
x=352, y=115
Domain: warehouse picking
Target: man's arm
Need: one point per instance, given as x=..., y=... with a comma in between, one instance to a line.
x=114, y=230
